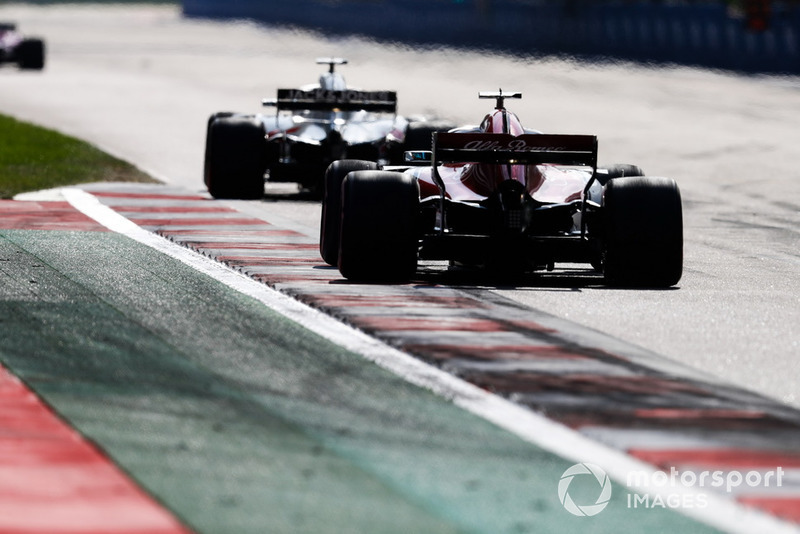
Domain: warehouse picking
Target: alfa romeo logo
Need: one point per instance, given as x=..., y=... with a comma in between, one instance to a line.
x=582, y=470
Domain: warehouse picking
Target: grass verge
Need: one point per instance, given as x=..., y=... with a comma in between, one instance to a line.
x=34, y=158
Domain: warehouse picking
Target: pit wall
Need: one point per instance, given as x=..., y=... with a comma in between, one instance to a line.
x=708, y=34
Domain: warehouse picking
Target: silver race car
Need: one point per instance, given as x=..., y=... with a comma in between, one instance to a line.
x=313, y=126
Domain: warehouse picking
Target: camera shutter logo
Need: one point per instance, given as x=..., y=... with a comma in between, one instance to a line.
x=602, y=499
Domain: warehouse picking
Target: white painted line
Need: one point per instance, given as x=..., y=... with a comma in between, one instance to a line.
x=558, y=439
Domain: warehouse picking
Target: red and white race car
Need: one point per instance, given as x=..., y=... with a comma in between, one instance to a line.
x=506, y=198
x=27, y=53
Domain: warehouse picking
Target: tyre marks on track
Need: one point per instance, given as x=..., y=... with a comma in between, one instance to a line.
x=620, y=395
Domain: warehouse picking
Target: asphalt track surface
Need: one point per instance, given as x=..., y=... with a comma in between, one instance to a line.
x=141, y=82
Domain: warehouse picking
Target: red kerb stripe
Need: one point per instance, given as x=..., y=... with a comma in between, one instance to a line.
x=52, y=481
x=198, y=222
x=463, y=324
x=720, y=458
x=172, y=209
x=29, y=215
x=153, y=196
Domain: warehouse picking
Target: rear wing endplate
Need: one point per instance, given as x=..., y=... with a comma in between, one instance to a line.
x=527, y=149
x=325, y=100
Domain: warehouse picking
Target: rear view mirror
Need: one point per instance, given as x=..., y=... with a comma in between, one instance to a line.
x=418, y=156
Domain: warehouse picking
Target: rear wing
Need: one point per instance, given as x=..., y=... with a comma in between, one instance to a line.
x=527, y=149
x=325, y=100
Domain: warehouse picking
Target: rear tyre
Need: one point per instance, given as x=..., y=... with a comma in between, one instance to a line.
x=332, y=205
x=206, y=163
x=643, y=241
x=378, y=240
x=235, y=158
x=30, y=54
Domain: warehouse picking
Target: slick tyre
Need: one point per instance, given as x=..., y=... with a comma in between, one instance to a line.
x=235, y=158
x=330, y=223
x=419, y=135
x=618, y=170
x=30, y=54
x=643, y=227
x=378, y=239
x=207, y=153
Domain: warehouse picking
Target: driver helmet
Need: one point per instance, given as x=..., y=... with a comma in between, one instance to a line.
x=332, y=81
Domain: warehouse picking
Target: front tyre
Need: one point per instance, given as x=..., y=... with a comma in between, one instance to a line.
x=235, y=158
x=617, y=170
x=330, y=223
x=378, y=240
x=419, y=134
x=643, y=232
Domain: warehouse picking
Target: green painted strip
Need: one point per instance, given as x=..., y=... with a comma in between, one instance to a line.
x=241, y=421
